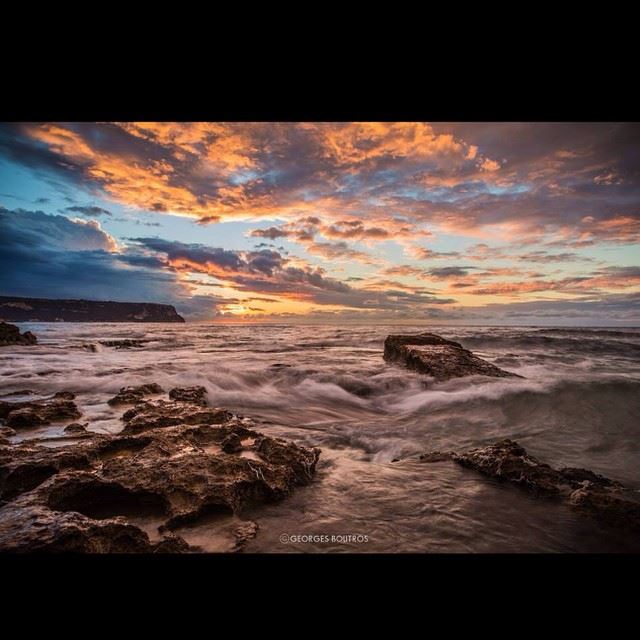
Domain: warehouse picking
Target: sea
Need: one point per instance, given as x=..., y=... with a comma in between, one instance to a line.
x=577, y=404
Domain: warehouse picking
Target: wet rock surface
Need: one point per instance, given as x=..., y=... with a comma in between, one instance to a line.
x=155, y=414
x=194, y=395
x=131, y=395
x=438, y=357
x=21, y=415
x=10, y=335
x=591, y=493
x=91, y=495
x=76, y=427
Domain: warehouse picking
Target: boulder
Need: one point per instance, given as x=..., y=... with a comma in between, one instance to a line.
x=10, y=335
x=435, y=356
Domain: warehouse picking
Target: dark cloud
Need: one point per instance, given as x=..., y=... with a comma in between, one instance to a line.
x=449, y=272
x=89, y=210
x=268, y=271
x=544, y=256
x=51, y=256
x=271, y=232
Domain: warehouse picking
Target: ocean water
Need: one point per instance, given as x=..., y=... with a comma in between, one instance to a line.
x=327, y=386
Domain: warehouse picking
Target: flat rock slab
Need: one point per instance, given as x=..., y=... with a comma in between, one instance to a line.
x=435, y=356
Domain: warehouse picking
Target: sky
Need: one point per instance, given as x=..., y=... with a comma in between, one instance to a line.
x=441, y=223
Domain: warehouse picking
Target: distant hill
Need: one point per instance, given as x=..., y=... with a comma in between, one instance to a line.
x=42, y=310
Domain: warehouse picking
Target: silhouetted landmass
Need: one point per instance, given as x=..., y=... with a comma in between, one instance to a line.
x=44, y=310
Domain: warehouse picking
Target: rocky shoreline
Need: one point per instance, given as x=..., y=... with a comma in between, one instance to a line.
x=175, y=461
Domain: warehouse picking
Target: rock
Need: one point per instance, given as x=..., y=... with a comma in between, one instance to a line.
x=7, y=432
x=160, y=413
x=19, y=415
x=195, y=395
x=605, y=499
x=132, y=395
x=26, y=466
x=78, y=497
x=64, y=395
x=123, y=344
x=231, y=444
x=243, y=533
x=442, y=359
x=10, y=335
x=435, y=456
x=89, y=346
x=76, y=427
x=27, y=525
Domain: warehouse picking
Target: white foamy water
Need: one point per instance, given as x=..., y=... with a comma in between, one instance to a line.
x=326, y=386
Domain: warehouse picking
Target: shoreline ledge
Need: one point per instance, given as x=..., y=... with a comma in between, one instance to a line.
x=175, y=463
x=435, y=356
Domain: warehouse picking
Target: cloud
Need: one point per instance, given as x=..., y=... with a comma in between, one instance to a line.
x=51, y=256
x=449, y=272
x=89, y=210
x=359, y=198
x=268, y=271
x=272, y=233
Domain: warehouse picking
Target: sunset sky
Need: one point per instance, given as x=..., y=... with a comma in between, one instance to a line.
x=490, y=223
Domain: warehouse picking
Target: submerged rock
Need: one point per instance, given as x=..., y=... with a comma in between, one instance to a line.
x=442, y=359
x=435, y=456
x=123, y=344
x=20, y=415
x=10, y=335
x=76, y=427
x=605, y=499
x=131, y=395
x=194, y=395
x=81, y=496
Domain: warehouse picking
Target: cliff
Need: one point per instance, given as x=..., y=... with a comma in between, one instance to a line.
x=42, y=310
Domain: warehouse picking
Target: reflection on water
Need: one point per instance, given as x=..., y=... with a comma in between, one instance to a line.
x=579, y=405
